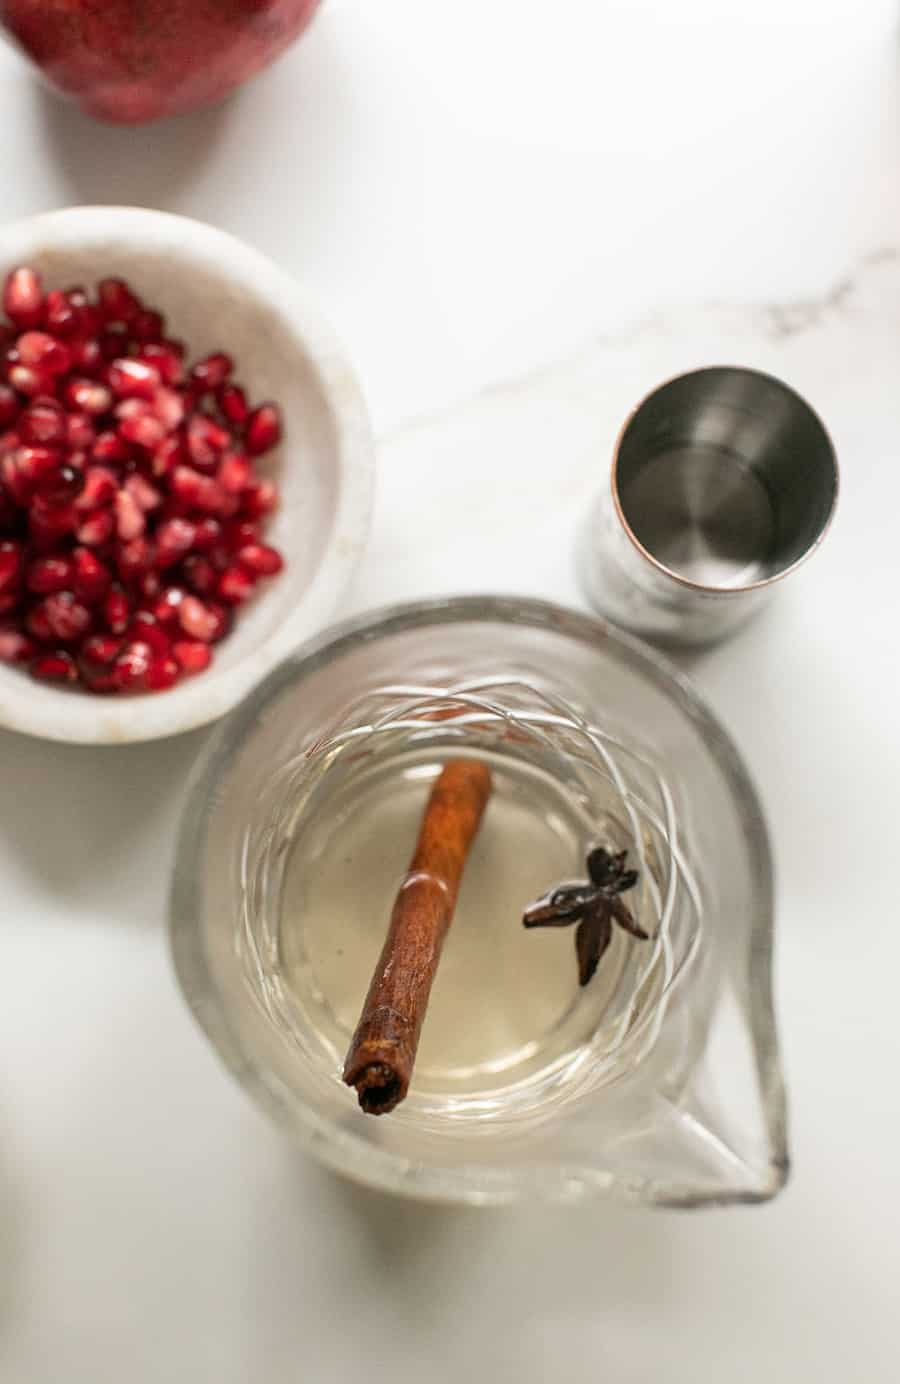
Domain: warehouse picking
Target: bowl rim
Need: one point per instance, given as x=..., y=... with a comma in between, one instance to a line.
x=58, y=715
x=340, y=1149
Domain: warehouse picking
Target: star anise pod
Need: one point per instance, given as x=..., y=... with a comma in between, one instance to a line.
x=593, y=904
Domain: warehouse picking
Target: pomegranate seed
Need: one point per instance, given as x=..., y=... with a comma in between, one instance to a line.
x=113, y=345
x=9, y=441
x=116, y=301
x=168, y=408
x=260, y=499
x=130, y=666
x=192, y=656
x=142, y=431
x=221, y=557
x=148, y=326
x=67, y=617
x=109, y=449
x=15, y=647
x=134, y=558
x=209, y=534
x=9, y=406
x=30, y=380
x=38, y=625
x=116, y=611
x=97, y=651
x=100, y=488
x=62, y=317
x=44, y=352
x=80, y=431
x=87, y=356
x=132, y=408
x=90, y=577
x=58, y=487
x=197, y=620
x=149, y=585
x=165, y=360
x=55, y=667
x=162, y=674
x=235, y=473
x=223, y=617
x=206, y=439
x=200, y=575
x=90, y=323
x=133, y=379
x=36, y=463
x=43, y=423
x=53, y=499
x=169, y=454
x=233, y=403
x=221, y=503
x=130, y=521
x=100, y=682
x=263, y=431
x=174, y=539
x=49, y=522
x=146, y=627
x=196, y=491
x=23, y=298
x=9, y=603
x=264, y=561
x=48, y=574
x=211, y=373
x=96, y=656
x=89, y=397
x=145, y=495
x=12, y=563
x=239, y=533
x=17, y=486
x=236, y=585
x=165, y=608
x=96, y=529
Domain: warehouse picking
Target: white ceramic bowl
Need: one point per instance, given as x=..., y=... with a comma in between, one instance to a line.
x=218, y=292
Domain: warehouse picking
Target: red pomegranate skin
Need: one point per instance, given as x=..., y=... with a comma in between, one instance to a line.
x=133, y=61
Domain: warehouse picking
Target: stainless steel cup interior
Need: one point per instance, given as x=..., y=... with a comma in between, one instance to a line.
x=725, y=479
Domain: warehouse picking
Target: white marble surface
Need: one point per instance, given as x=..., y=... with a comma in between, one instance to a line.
x=516, y=222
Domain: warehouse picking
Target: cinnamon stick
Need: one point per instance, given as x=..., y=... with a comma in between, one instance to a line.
x=381, y=1057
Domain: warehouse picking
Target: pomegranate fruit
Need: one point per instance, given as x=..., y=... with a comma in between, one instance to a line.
x=130, y=503
x=132, y=63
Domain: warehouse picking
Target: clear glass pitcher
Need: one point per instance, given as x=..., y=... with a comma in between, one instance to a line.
x=659, y=1082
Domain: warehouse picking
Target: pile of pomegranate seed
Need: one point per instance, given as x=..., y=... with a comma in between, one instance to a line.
x=130, y=507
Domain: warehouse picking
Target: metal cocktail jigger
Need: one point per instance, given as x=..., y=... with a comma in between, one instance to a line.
x=723, y=481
